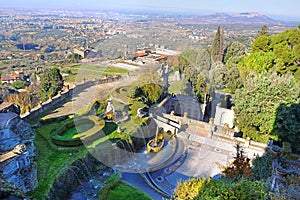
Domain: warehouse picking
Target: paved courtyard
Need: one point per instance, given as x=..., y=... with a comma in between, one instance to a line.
x=193, y=156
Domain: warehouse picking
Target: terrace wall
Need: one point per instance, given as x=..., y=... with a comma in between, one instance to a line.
x=59, y=98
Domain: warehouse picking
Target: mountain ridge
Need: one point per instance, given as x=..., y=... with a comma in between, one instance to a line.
x=239, y=18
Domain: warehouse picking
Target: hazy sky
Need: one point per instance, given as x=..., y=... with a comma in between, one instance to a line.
x=277, y=8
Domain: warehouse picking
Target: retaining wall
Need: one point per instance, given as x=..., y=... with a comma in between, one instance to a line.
x=59, y=98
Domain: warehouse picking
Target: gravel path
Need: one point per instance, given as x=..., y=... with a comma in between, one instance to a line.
x=84, y=97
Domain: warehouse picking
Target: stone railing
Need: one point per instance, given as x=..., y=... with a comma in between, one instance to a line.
x=217, y=131
x=61, y=96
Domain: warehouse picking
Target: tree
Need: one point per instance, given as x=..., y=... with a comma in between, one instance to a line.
x=286, y=48
x=18, y=84
x=217, y=50
x=204, y=61
x=200, y=88
x=190, y=73
x=23, y=99
x=152, y=92
x=150, y=86
x=232, y=78
x=261, y=43
x=216, y=76
x=287, y=125
x=187, y=59
x=256, y=103
x=256, y=62
x=235, y=49
x=240, y=167
x=74, y=58
x=201, y=188
x=264, y=30
x=51, y=83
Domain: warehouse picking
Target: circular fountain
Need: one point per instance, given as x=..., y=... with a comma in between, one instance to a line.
x=157, y=143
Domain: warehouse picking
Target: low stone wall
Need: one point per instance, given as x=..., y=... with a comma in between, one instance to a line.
x=71, y=176
x=218, y=131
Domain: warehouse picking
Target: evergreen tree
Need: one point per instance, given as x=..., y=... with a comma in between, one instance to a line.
x=51, y=83
x=217, y=50
x=256, y=103
x=264, y=30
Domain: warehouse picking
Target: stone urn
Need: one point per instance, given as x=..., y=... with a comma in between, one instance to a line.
x=276, y=150
x=280, y=171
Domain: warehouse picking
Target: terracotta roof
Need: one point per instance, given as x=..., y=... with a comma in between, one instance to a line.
x=15, y=75
x=6, y=78
x=10, y=77
x=140, y=54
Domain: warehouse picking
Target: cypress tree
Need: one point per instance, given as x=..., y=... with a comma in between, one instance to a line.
x=217, y=50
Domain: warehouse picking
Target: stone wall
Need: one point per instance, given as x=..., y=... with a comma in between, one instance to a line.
x=224, y=116
x=68, y=180
x=17, y=154
x=59, y=98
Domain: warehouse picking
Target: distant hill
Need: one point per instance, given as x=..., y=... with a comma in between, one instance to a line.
x=241, y=18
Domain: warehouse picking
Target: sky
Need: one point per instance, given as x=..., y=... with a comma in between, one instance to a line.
x=278, y=9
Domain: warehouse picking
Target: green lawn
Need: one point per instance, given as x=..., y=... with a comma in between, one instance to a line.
x=108, y=70
x=90, y=72
x=177, y=87
x=68, y=134
x=123, y=191
x=110, y=131
x=50, y=161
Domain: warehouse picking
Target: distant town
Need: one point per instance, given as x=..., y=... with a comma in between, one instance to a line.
x=131, y=105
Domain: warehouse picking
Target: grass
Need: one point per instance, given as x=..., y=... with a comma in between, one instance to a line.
x=123, y=191
x=110, y=131
x=108, y=70
x=50, y=161
x=91, y=71
x=68, y=134
x=177, y=87
x=98, y=125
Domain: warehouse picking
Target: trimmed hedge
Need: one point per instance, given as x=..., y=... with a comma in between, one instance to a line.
x=55, y=119
x=76, y=139
x=102, y=194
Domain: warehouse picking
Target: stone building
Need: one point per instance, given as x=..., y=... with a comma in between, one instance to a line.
x=181, y=105
x=17, y=154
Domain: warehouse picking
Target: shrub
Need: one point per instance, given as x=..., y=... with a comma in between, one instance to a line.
x=200, y=188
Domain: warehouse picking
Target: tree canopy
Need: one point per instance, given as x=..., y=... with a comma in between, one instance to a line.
x=51, y=83
x=256, y=103
x=217, y=50
x=287, y=125
x=18, y=84
x=201, y=189
x=281, y=51
x=150, y=86
x=257, y=62
x=235, y=50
